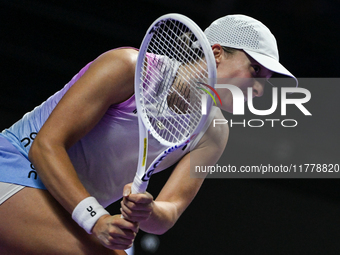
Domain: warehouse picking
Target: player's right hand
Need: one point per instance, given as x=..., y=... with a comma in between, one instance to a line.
x=114, y=232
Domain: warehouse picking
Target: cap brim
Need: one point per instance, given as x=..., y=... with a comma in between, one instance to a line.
x=271, y=64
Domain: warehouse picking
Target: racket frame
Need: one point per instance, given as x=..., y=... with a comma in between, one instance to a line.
x=142, y=177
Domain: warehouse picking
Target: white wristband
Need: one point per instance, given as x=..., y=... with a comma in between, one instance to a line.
x=87, y=212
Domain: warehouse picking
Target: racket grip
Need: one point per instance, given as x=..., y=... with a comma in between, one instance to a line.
x=138, y=185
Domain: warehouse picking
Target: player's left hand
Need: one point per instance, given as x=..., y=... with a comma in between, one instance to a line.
x=136, y=207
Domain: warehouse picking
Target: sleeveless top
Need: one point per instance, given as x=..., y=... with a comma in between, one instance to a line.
x=105, y=159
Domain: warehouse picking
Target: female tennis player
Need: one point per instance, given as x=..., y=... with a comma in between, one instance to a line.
x=77, y=153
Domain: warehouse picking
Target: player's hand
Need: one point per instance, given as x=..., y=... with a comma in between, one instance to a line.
x=114, y=232
x=136, y=207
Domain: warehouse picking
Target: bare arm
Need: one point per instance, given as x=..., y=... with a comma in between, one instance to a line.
x=180, y=189
x=109, y=80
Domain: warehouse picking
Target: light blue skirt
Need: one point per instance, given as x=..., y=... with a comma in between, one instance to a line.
x=16, y=168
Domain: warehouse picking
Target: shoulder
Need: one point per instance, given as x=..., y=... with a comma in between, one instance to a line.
x=126, y=58
x=128, y=55
x=113, y=74
x=216, y=136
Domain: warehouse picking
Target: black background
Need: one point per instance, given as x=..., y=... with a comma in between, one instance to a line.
x=44, y=43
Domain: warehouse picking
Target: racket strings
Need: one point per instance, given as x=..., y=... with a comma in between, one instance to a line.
x=179, y=106
x=180, y=98
x=172, y=100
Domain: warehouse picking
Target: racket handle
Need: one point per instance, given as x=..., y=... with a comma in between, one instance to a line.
x=138, y=186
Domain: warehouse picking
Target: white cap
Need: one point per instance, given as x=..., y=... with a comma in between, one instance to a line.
x=250, y=35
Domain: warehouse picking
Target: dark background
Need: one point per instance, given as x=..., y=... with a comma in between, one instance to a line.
x=44, y=43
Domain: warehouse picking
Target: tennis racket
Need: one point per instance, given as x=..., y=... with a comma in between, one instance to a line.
x=175, y=59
